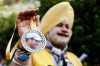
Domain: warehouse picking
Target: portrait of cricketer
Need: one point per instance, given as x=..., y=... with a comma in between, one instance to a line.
x=32, y=40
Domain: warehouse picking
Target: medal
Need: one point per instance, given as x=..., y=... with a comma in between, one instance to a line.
x=33, y=40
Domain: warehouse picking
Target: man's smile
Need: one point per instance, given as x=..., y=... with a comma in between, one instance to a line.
x=63, y=34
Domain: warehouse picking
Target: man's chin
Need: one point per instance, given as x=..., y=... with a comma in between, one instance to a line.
x=61, y=43
x=63, y=39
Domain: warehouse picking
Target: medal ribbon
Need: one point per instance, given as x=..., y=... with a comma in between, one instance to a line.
x=10, y=54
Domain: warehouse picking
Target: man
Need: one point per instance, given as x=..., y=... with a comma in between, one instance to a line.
x=56, y=25
x=32, y=40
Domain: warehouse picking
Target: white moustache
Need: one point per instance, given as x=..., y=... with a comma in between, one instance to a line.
x=62, y=33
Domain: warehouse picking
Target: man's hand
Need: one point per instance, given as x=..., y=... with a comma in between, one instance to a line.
x=23, y=20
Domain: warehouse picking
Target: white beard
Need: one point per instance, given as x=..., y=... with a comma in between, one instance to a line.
x=59, y=40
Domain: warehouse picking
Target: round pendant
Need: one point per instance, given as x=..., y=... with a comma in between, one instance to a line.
x=33, y=41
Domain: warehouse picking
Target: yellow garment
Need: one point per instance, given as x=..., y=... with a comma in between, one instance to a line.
x=59, y=12
x=44, y=58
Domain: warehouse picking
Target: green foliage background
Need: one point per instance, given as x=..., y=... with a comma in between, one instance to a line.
x=86, y=29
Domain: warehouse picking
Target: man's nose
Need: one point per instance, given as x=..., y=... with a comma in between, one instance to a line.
x=64, y=29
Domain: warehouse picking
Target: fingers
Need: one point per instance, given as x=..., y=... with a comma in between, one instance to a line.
x=37, y=9
x=27, y=14
x=23, y=20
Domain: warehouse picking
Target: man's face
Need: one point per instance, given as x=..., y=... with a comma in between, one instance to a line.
x=60, y=35
x=35, y=43
x=32, y=42
x=29, y=41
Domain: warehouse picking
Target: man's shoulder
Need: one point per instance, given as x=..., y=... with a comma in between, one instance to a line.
x=70, y=53
x=73, y=58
